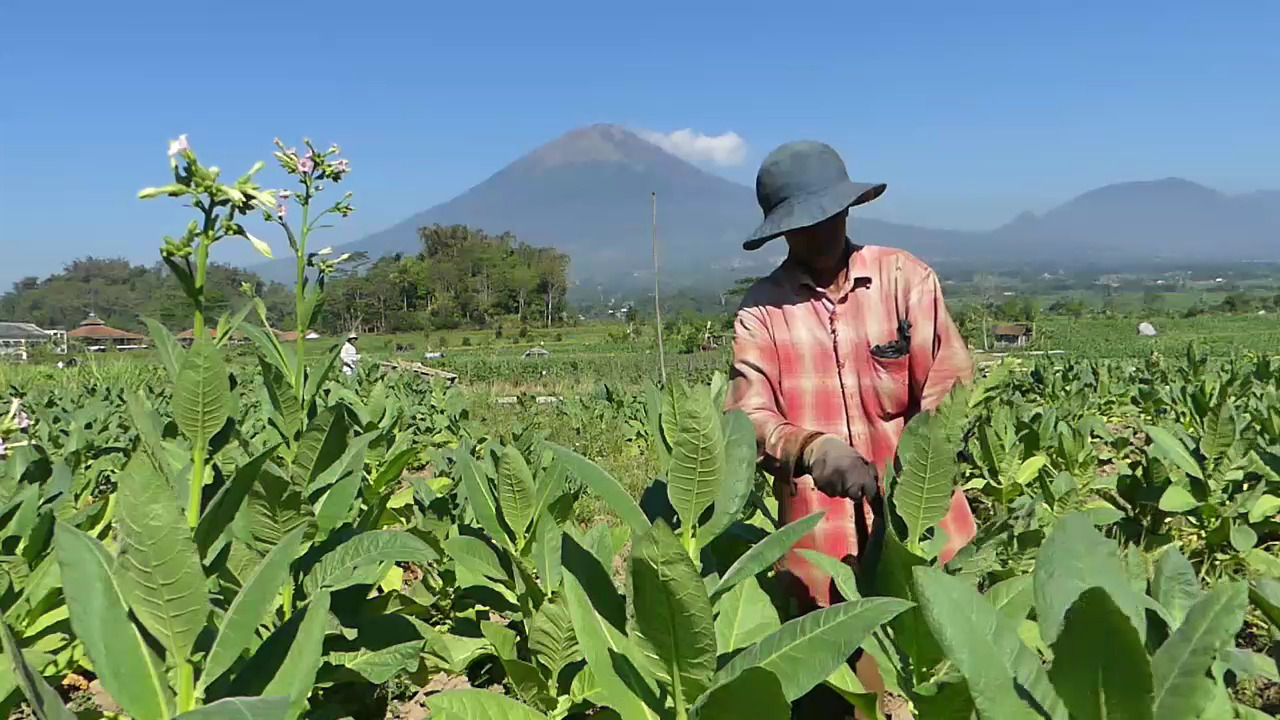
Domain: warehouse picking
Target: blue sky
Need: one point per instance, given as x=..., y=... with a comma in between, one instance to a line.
x=971, y=111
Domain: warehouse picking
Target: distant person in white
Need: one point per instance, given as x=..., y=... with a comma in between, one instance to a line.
x=349, y=355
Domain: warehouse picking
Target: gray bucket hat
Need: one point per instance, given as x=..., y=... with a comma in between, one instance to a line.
x=801, y=184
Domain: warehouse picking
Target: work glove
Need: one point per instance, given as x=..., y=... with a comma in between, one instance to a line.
x=838, y=470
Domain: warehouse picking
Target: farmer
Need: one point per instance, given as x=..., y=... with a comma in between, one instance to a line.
x=349, y=355
x=833, y=352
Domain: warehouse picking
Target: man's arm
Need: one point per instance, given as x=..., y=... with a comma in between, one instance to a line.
x=753, y=381
x=939, y=355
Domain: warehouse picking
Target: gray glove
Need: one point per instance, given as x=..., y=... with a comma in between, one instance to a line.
x=838, y=470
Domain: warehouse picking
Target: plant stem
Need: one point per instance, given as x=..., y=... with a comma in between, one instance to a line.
x=186, y=686
x=197, y=335
x=197, y=486
x=299, y=299
x=202, y=261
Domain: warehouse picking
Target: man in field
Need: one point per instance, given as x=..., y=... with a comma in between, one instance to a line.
x=833, y=353
x=349, y=355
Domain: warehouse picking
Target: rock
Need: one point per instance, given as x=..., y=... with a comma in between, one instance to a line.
x=101, y=699
x=1146, y=329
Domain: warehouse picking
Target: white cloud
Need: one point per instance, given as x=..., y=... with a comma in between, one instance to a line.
x=724, y=150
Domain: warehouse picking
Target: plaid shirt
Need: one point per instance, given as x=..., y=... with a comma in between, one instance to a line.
x=803, y=365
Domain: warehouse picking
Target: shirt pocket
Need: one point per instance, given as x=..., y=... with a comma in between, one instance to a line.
x=891, y=380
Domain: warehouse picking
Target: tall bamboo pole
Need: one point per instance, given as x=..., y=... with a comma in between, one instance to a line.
x=657, y=303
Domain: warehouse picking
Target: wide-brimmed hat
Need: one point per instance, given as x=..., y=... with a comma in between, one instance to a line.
x=801, y=184
x=352, y=336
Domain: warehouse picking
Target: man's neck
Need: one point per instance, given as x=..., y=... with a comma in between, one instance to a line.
x=833, y=274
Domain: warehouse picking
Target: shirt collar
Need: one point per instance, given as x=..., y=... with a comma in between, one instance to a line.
x=795, y=277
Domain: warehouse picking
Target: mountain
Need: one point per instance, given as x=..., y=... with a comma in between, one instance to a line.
x=587, y=193
x=1156, y=219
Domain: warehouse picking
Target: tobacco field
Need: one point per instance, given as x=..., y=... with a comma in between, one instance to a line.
x=254, y=534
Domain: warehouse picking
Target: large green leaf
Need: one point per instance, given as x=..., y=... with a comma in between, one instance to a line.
x=167, y=347
x=594, y=579
x=479, y=497
x=472, y=704
x=476, y=555
x=893, y=578
x=1169, y=448
x=321, y=444
x=125, y=665
x=608, y=656
x=697, y=459
x=349, y=462
x=379, y=665
x=547, y=551
x=1179, y=666
x=604, y=485
x=44, y=702
x=1265, y=593
x=269, y=347
x=1013, y=597
x=273, y=509
x=551, y=637
x=337, y=567
x=550, y=487
x=1174, y=584
x=672, y=613
x=515, y=491
x=764, y=554
x=739, y=474
x=744, y=615
x=1074, y=558
x=158, y=568
x=202, y=394
x=1265, y=507
x=984, y=648
x=287, y=662
x=841, y=574
x=805, y=651
x=287, y=416
x=1247, y=664
x=755, y=694
x=250, y=607
x=1220, y=432
x=220, y=514
x=391, y=469
x=1177, y=499
x=922, y=490
x=1100, y=668
x=241, y=708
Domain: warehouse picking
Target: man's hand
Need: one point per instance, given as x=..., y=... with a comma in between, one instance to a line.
x=838, y=470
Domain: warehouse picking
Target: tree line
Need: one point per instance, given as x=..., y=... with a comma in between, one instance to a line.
x=122, y=293
x=461, y=277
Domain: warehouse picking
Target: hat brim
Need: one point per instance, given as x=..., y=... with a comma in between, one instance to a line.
x=806, y=210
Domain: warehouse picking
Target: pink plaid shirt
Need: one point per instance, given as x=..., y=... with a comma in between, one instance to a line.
x=803, y=364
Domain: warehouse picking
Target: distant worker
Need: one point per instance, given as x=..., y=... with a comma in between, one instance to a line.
x=833, y=352
x=349, y=355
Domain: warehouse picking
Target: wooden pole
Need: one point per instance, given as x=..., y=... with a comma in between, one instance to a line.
x=657, y=303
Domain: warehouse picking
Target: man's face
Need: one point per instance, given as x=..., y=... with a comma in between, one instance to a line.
x=821, y=244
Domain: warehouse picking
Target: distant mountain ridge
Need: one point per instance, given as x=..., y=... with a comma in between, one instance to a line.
x=587, y=193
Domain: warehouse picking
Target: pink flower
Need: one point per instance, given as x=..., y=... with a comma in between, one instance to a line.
x=333, y=149
x=3, y=451
x=305, y=165
x=177, y=146
x=282, y=210
x=342, y=165
x=23, y=420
